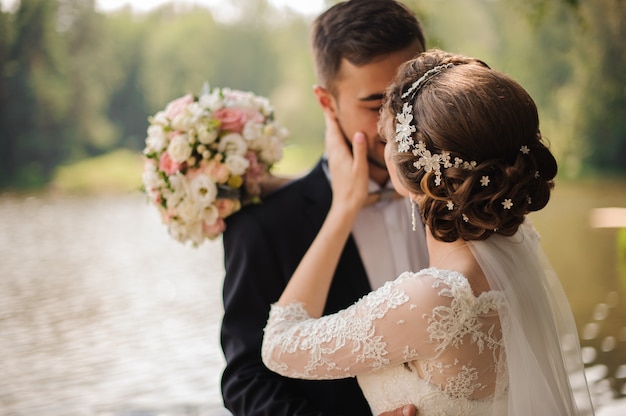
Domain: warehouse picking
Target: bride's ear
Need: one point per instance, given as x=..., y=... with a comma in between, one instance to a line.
x=417, y=198
x=324, y=98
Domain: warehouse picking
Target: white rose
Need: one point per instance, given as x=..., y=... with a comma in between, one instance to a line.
x=272, y=150
x=252, y=131
x=178, y=231
x=282, y=133
x=160, y=118
x=184, y=232
x=179, y=148
x=239, y=99
x=237, y=164
x=195, y=111
x=195, y=232
x=273, y=130
x=183, y=121
x=203, y=190
x=211, y=102
x=263, y=105
x=206, y=135
x=152, y=181
x=156, y=140
x=210, y=215
x=232, y=144
x=178, y=183
x=189, y=210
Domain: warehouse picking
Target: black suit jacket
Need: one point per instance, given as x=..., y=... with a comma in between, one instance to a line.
x=263, y=245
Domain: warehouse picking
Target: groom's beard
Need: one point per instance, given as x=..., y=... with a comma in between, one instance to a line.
x=370, y=160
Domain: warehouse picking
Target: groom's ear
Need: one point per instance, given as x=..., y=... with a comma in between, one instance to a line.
x=324, y=98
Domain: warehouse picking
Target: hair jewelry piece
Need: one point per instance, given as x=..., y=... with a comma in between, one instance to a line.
x=413, y=220
x=405, y=129
x=427, y=75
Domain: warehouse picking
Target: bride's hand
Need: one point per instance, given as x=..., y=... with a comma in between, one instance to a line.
x=311, y=280
x=348, y=167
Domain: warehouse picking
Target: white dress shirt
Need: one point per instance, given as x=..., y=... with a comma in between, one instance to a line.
x=385, y=239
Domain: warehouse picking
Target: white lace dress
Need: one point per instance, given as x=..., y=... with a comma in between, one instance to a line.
x=424, y=338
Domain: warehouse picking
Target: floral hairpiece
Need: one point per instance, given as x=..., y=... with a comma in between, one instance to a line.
x=427, y=75
x=405, y=129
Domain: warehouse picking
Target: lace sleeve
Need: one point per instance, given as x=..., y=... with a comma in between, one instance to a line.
x=386, y=327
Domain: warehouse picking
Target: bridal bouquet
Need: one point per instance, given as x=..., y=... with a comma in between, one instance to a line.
x=205, y=156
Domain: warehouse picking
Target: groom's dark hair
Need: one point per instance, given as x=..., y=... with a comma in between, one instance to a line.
x=361, y=31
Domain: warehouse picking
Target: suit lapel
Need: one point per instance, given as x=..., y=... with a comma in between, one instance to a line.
x=350, y=281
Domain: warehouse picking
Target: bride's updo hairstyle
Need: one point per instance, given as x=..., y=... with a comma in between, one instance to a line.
x=472, y=146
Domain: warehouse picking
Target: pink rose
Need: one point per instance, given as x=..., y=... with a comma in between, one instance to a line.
x=234, y=119
x=167, y=165
x=177, y=106
x=192, y=173
x=201, y=168
x=217, y=171
x=213, y=231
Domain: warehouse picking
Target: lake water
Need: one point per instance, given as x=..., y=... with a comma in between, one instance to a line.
x=102, y=313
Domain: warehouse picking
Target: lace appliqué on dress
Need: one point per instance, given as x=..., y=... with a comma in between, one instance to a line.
x=452, y=348
x=293, y=329
x=451, y=326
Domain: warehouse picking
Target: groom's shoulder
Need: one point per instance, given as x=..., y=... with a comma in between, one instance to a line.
x=281, y=204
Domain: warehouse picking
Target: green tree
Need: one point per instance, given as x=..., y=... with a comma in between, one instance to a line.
x=184, y=50
x=32, y=134
x=6, y=70
x=569, y=54
x=123, y=58
x=293, y=97
x=602, y=107
x=89, y=81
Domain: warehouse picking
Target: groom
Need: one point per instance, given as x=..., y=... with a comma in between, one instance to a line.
x=357, y=47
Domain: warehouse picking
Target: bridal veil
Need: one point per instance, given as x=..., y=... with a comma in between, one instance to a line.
x=542, y=366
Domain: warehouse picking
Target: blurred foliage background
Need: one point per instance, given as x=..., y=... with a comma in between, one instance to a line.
x=76, y=83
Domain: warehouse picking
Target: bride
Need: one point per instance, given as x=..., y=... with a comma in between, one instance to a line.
x=486, y=329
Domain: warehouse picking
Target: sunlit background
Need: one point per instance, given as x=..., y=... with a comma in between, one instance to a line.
x=102, y=313
x=306, y=7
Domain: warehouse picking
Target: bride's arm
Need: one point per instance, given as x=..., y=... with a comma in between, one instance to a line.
x=386, y=327
x=349, y=176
